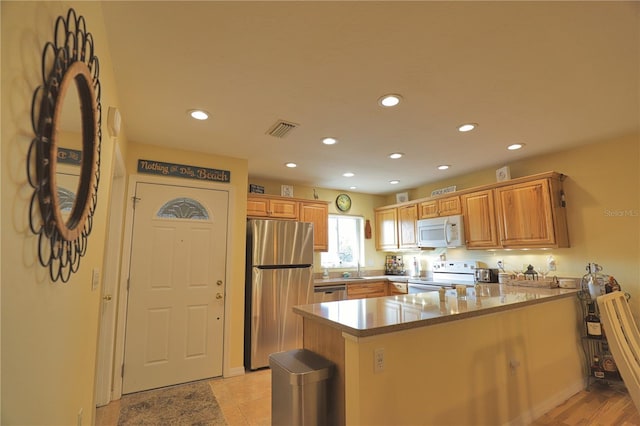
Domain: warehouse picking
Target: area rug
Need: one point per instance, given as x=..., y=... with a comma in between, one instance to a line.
x=190, y=404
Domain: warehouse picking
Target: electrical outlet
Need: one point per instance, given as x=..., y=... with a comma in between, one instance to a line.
x=378, y=360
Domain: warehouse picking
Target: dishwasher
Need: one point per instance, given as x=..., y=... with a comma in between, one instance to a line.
x=329, y=293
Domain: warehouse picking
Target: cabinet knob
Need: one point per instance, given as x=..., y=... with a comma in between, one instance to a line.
x=107, y=298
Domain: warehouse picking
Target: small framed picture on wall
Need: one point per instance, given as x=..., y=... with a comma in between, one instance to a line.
x=402, y=197
x=286, y=190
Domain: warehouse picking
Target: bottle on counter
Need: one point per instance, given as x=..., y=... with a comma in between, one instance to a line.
x=592, y=320
x=596, y=368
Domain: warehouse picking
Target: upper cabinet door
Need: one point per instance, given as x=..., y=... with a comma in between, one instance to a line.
x=407, y=217
x=449, y=206
x=480, y=228
x=272, y=207
x=284, y=209
x=387, y=229
x=257, y=207
x=428, y=209
x=440, y=207
x=525, y=215
x=318, y=214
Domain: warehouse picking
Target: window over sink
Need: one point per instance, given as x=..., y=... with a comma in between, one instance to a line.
x=346, y=242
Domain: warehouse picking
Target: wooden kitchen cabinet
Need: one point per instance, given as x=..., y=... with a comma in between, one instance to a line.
x=274, y=207
x=530, y=214
x=395, y=288
x=396, y=227
x=526, y=212
x=318, y=214
x=480, y=229
x=387, y=229
x=408, y=235
x=440, y=207
x=366, y=289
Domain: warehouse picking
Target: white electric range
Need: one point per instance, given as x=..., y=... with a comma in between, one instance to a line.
x=447, y=273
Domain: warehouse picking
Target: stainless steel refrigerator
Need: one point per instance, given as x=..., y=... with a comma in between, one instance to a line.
x=279, y=276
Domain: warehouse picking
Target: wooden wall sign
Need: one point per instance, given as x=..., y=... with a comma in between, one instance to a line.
x=183, y=171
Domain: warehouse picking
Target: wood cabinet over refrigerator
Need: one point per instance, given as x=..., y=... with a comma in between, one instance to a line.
x=274, y=207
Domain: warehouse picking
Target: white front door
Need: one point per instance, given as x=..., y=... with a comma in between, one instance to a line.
x=175, y=313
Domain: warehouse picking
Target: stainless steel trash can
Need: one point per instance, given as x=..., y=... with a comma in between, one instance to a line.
x=299, y=387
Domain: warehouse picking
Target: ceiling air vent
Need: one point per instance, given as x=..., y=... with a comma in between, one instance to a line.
x=281, y=128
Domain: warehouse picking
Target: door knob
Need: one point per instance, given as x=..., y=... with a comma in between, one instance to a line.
x=218, y=295
x=219, y=282
x=107, y=298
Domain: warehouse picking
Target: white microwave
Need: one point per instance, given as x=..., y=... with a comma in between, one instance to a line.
x=446, y=231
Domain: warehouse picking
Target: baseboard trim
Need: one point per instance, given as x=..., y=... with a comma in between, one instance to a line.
x=234, y=371
x=548, y=404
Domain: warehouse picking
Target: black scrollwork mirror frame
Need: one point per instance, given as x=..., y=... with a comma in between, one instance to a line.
x=67, y=60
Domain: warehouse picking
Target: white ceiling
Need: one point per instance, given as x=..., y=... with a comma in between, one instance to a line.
x=549, y=74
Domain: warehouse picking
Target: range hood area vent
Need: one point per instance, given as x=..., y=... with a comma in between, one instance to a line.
x=281, y=128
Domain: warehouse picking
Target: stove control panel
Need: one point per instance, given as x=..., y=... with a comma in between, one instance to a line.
x=455, y=266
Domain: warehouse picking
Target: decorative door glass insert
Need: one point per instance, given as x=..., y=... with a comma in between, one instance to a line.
x=183, y=208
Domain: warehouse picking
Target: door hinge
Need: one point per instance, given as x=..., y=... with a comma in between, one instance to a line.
x=135, y=201
x=128, y=283
x=122, y=371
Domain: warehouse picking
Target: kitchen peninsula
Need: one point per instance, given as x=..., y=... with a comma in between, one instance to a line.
x=501, y=354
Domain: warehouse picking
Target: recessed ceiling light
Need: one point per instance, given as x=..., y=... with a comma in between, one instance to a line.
x=390, y=100
x=394, y=182
x=291, y=165
x=443, y=167
x=353, y=187
x=467, y=127
x=396, y=155
x=515, y=146
x=329, y=141
x=198, y=114
x=348, y=174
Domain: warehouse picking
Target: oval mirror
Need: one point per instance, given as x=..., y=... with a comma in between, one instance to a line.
x=64, y=156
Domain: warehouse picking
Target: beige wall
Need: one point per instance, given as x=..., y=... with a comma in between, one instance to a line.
x=49, y=330
x=238, y=212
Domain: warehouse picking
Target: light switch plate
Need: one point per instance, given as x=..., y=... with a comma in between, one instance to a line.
x=95, y=279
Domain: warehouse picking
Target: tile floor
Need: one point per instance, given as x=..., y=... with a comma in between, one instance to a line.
x=244, y=400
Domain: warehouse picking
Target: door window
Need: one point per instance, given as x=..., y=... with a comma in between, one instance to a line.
x=183, y=208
